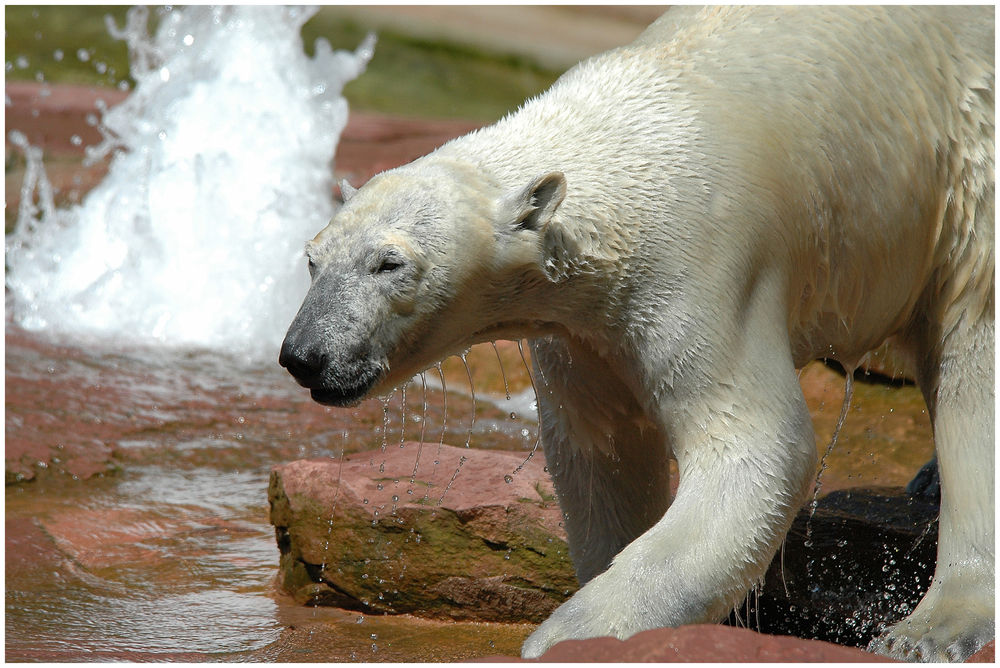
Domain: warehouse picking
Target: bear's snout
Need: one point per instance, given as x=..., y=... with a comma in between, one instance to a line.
x=332, y=384
x=305, y=363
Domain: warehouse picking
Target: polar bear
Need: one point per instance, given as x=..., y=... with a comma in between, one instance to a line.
x=677, y=225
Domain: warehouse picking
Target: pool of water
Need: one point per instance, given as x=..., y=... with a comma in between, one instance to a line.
x=139, y=529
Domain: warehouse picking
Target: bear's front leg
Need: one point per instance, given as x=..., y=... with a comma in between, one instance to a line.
x=607, y=459
x=747, y=455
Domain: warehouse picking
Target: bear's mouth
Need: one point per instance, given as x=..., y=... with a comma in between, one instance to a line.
x=346, y=394
x=338, y=397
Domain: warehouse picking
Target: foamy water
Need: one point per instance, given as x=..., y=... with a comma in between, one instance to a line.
x=221, y=171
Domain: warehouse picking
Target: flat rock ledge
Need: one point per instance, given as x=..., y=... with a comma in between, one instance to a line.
x=708, y=643
x=705, y=643
x=424, y=528
x=466, y=534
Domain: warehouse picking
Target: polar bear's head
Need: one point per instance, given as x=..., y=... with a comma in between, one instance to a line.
x=419, y=264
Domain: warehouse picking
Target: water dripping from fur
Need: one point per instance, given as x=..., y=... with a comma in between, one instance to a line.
x=472, y=391
x=503, y=374
x=333, y=508
x=444, y=425
x=538, y=414
x=472, y=422
x=461, y=463
x=423, y=427
x=402, y=415
x=818, y=484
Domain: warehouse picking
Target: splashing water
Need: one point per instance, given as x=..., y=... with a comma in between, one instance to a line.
x=221, y=170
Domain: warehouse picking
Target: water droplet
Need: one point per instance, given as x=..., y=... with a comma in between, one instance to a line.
x=82, y=55
x=364, y=501
x=21, y=62
x=164, y=74
x=508, y=478
x=57, y=55
x=188, y=40
x=379, y=486
x=360, y=619
x=76, y=140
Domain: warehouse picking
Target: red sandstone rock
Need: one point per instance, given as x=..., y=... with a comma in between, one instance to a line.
x=372, y=143
x=705, y=643
x=429, y=528
x=50, y=115
x=986, y=655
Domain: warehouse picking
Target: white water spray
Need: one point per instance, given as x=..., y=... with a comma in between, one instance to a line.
x=221, y=171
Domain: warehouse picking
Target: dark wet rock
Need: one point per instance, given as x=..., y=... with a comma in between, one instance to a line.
x=927, y=482
x=705, y=643
x=433, y=529
x=862, y=561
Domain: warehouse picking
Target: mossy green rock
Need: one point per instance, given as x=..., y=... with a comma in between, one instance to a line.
x=426, y=529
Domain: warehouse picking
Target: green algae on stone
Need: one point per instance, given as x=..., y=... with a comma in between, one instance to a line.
x=500, y=559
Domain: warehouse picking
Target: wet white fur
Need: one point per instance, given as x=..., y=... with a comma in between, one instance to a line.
x=737, y=192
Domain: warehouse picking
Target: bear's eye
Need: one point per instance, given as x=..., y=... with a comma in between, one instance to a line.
x=389, y=264
x=387, y=260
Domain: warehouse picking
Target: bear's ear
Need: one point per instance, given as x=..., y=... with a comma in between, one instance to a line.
x=532, y=207
x=347, y=190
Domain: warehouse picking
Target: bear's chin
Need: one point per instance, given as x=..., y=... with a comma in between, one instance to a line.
x=344, y=396
x=337, y=397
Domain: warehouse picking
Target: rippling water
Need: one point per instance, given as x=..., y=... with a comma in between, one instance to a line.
x=166, y=552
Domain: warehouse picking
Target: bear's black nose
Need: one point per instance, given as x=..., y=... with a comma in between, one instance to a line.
x=306, y=364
